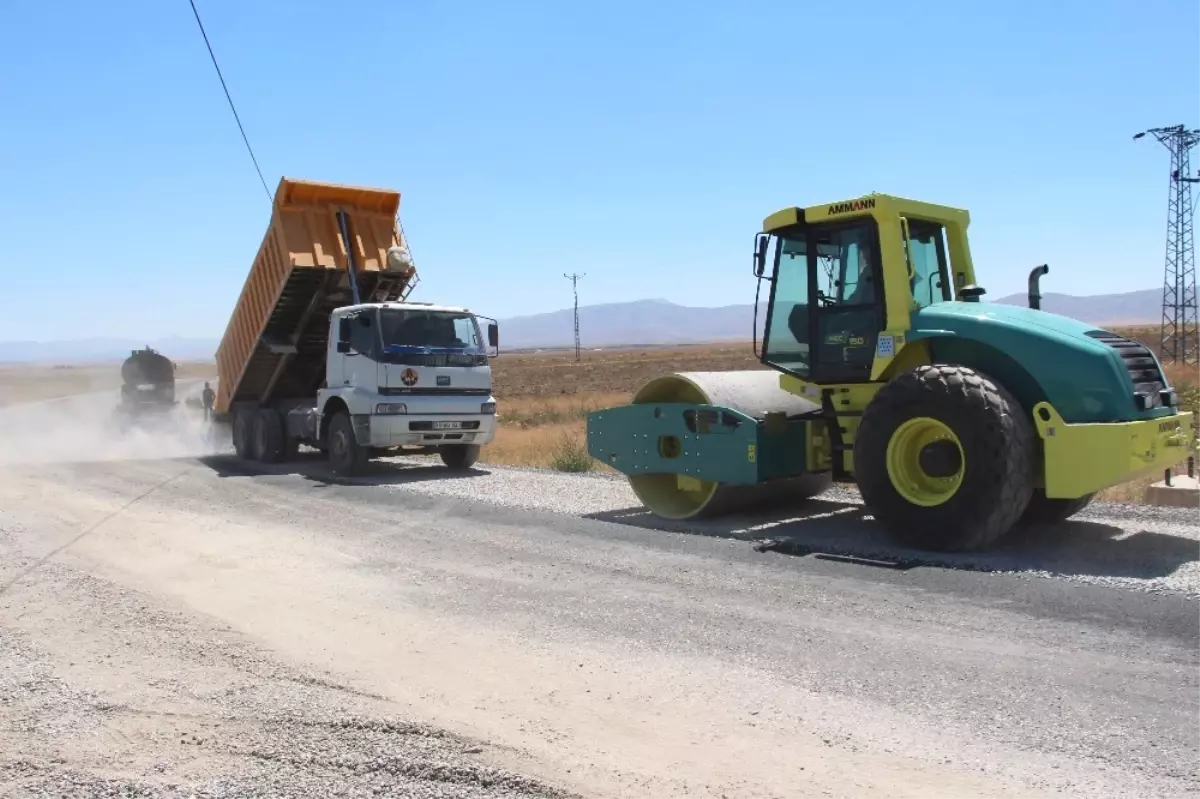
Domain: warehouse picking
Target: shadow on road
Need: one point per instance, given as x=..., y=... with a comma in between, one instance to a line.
x=314, y=466
x=842, y=531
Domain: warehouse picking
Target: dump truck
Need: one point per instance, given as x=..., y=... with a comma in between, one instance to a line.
x=957, y=419
x=325, y=349
x=147, y=386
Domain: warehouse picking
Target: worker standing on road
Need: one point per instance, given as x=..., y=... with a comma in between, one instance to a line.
x=207, y=398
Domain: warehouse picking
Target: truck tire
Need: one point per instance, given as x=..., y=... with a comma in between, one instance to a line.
x=346, y=457
x=1044, y=510
x=268, y=436
x=944, y=458
x=243, y=434
x=460, y=456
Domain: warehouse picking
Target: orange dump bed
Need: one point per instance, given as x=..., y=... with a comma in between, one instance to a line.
x=274, y=346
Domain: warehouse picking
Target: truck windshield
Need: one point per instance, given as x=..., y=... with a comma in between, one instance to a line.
x=437, y=330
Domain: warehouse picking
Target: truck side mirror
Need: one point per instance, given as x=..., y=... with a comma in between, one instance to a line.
x=343, y=332
x=494, y=335
x=343, y=347
x=761, y=241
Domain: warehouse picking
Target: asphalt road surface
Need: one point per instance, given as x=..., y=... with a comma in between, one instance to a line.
x=190, y=627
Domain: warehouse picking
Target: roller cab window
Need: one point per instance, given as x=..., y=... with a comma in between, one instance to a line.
x=826, y=306
x=928, y=272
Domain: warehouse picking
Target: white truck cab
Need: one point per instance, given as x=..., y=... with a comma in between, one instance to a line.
x=407, y=374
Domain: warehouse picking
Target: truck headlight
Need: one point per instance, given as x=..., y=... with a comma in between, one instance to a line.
x=487, y=407
x=390, y=408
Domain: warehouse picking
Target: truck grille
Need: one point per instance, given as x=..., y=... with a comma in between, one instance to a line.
x=1150, y=387
x=403, y=391
x=420, y=359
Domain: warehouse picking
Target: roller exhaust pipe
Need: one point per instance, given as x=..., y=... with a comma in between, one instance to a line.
x=1035, y=287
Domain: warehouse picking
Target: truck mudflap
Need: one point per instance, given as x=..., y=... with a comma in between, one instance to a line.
x=1080, y=459
x=701, y=442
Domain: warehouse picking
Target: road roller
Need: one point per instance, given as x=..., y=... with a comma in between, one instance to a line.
x=957, y=419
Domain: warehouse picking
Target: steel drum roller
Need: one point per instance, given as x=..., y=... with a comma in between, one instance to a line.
x=754, y=393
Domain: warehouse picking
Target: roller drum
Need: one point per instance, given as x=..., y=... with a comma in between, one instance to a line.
x=754, y=393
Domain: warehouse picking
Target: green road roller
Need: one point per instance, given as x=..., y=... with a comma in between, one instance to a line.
x=956, y=418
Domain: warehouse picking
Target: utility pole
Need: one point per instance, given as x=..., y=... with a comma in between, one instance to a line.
x=575, y=278
x=1179, y=333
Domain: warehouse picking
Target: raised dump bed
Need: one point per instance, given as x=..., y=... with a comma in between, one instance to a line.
x=275, y=344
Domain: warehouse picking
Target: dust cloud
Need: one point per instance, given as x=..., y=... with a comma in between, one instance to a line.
x=87, y=428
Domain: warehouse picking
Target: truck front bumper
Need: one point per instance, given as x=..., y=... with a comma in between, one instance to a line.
x=400, y=430
x=1081, y=459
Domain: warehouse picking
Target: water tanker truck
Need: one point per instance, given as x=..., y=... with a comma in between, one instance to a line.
x=325, y=349
x=957, y=419
x=147, y=384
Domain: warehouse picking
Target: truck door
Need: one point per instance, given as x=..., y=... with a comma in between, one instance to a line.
x=357, y=364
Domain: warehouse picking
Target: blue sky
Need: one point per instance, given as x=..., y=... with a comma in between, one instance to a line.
x=640, y=143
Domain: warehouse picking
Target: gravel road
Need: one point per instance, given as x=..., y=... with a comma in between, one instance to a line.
x=203, y=629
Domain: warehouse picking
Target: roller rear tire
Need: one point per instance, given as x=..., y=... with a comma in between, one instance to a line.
x=944, y=458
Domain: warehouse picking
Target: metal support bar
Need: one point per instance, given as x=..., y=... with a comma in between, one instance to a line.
x=351, y=271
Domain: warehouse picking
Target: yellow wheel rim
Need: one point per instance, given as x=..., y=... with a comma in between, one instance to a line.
x=917, y=445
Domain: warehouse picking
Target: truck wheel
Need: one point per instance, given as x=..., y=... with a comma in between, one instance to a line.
x=346, y=457
x=460, y=456
x=1044, y=510
x=944, y=457
x=268, y=436
x=243, y=435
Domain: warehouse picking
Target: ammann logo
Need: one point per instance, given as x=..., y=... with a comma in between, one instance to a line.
x=857, y=205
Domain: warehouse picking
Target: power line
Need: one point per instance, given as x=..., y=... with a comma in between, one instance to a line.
x=575, y=290
x=236, y=118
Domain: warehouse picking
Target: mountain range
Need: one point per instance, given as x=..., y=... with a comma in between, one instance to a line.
x=642, y=322
x=659, y=322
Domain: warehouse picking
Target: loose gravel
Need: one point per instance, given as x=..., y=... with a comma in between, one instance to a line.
x=1132, y=547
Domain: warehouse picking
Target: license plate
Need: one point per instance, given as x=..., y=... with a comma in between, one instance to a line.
x=447, y=425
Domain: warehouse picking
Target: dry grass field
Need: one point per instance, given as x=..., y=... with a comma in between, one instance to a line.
x=544, y=397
